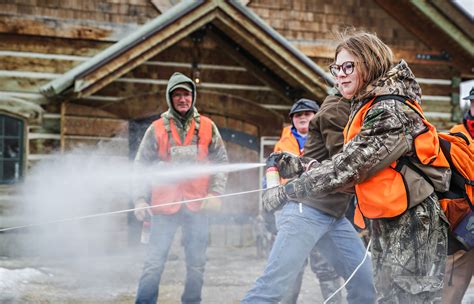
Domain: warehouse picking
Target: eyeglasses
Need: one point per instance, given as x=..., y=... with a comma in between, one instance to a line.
x=179, y=95
x=347, y=67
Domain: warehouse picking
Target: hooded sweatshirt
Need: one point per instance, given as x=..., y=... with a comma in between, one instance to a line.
x=147, y=151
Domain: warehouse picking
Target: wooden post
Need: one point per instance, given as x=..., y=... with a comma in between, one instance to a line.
x=62, y=131
x=456, y=113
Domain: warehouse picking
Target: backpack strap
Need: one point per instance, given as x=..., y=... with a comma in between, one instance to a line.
x=461, y=135
x=400, y=98
x=390, y=96
x=405, y=161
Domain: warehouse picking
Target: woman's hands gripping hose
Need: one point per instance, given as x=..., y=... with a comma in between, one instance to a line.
x=288, y=164
x=274, y=198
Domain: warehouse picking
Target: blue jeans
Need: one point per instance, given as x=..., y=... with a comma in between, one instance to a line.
x=195, y=227
x=297, y=235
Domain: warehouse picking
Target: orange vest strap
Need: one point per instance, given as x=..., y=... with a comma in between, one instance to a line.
x=189, y=135
x=162, y=137
x=385, y=195
x=162, y=140
x=205, y=130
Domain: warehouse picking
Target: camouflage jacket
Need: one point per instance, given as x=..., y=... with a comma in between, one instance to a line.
x=387, y=133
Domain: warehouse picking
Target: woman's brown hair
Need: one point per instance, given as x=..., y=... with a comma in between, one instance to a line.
x=374, y=58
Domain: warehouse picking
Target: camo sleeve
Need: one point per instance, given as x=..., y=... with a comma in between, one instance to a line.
x=384, y=137
x=217, y=155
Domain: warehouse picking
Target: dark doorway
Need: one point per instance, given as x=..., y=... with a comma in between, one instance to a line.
x=136, y=130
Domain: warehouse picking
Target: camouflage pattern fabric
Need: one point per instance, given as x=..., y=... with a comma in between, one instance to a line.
x=274, y=198
x=409, y=254
x=387, y=133
x=289, y=165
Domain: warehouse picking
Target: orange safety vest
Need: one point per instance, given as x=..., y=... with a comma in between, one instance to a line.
x=385, y=195
x=191, y=189
x=288, y=143
x=457, y=201
x=461, y=128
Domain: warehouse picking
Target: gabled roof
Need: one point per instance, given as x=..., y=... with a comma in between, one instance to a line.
x=238, y=24
x=440, y=24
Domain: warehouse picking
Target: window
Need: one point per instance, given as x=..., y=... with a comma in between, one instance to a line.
x=11, y=149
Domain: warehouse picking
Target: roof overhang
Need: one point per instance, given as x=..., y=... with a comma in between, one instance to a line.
x=27, y=110
x=432, y=22
x=234, y=20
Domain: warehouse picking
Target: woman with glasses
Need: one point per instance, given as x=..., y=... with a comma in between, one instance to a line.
x=391, y=159
x=316, y=223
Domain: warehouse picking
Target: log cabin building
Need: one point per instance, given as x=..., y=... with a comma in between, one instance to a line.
x=75, y=72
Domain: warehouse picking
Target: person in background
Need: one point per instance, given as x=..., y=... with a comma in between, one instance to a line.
x=409, y=229
x=180, y=136
x=460, y=263
x=316, y=222
x=293, y=140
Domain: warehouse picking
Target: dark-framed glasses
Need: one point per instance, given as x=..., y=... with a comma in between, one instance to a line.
x=176, y=95
x=347, y=67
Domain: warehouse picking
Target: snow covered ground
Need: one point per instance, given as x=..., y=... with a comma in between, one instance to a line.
x=230, y=272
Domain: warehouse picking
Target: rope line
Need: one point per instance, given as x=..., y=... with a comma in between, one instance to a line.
x=352, y=274
x=124, y=211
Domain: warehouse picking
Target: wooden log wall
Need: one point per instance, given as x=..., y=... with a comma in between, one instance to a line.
x=218, y=72
x=86, y=127
x=41, y=40
x=312, y=27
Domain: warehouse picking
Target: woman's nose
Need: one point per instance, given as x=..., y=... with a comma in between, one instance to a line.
x=340, y=73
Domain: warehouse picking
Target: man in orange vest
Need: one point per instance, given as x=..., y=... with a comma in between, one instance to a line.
x=460, y=263
x=180, y=136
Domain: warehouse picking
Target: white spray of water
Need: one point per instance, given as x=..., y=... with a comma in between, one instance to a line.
x=83, y=183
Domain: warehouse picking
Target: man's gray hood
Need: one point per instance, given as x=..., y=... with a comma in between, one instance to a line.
x=175, y=79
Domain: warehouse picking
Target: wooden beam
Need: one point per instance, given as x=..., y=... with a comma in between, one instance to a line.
x=51, y=45
x=261, y=72
x=325, y=49
x=436, y=32
x=130, y=90
x=65, y=28
x=142, y=52
x=77, y=110
x=455, y=15
x=271, y=53
x=25, y=109
x=93, y=126
x=162, y=5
